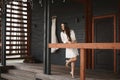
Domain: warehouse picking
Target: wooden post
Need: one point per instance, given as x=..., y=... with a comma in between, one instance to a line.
x=93, y=59
x=82, y=64
x=88, y=20
x=115, y=61
x=119, y=25
x=93, y=42
x=29, y=11
x=115, y=53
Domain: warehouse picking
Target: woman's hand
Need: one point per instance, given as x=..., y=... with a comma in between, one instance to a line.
x=69, y=42
x=74, y=41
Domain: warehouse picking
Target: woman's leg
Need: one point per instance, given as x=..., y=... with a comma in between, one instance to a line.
x=72, y=69
x=70, y=60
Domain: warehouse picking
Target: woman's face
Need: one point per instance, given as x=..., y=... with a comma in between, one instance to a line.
x=62, y=27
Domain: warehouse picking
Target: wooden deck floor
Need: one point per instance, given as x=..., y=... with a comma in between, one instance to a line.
x=62, y=73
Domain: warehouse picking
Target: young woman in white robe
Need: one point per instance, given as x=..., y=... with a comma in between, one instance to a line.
x=68, y=37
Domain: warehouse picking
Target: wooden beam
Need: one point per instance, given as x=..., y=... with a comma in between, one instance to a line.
x=18, y=5
x=17, y=22
x=86, y=45
x=16, y=54
x=21, y=40
x=17, y=9
x=18, y=18
x=104, y=16
x=18, y=27
x=21, y=14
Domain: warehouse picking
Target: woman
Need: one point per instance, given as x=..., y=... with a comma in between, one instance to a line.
x=68, y=37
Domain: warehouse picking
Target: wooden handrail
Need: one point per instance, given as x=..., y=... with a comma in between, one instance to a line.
x=82, y=47
x=86, y=45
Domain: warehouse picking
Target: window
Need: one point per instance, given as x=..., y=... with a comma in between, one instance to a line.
x=16, y=29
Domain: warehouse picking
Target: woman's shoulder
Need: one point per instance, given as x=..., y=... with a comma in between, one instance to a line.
x=62, y=32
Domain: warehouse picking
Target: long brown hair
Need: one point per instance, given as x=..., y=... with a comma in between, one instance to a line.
x=67, y=31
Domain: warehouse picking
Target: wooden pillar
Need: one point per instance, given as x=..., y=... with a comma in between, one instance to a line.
x=115, y=53
x=115, y=61
x=119, y=23
x=82, y=64
x=93, y=42
x=88, y=17
x=3, y=32
x=29, y=16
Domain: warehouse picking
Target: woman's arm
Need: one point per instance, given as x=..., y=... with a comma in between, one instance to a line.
x=63, y=38
x=73, y=37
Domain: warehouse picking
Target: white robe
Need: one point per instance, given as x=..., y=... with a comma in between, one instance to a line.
x=53, y=34
x=70, y=52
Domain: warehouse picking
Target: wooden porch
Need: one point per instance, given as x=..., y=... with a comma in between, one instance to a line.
x=57, y=73
x=83, y=46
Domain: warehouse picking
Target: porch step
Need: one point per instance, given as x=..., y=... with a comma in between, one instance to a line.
x=16, y=74
x=23, y=73
x=13, y=77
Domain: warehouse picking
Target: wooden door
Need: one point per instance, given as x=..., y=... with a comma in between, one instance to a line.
x=104, y=31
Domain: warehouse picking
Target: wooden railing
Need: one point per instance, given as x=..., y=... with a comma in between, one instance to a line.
x=83, y=47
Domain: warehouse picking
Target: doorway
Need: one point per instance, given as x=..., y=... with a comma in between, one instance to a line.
x=104, y=31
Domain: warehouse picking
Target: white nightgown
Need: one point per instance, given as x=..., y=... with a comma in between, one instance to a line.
x=70, y=52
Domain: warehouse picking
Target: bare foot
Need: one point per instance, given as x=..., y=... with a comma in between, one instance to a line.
x=72, y=75
x=67, y=64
